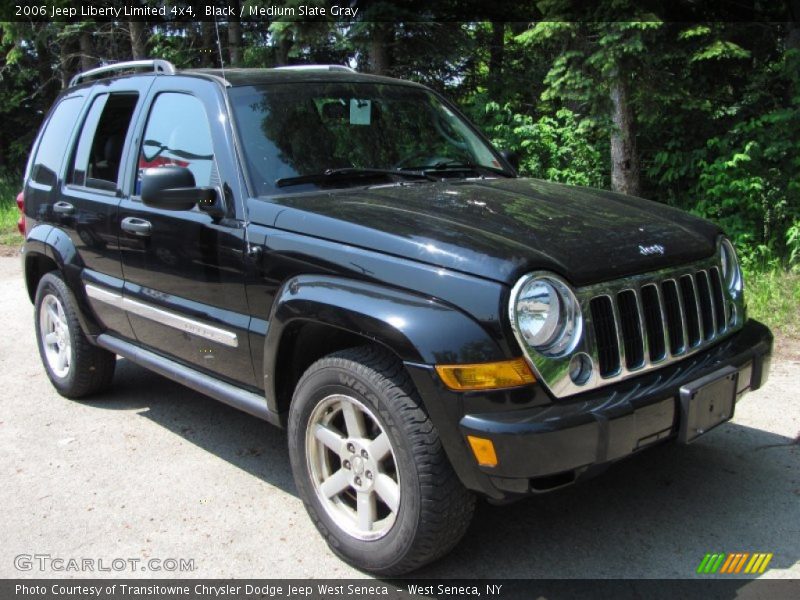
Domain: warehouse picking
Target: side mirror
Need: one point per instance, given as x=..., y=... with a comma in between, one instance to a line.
x=173, y=188
x=511, y=157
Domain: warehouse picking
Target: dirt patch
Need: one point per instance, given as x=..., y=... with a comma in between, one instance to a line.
x=786, y=348
x=9, y=250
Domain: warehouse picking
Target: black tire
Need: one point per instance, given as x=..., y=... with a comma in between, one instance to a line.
x=91, y=368
x=434, y=510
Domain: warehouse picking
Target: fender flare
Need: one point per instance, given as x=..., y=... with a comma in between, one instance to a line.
x=418, y=329
x=55, y=244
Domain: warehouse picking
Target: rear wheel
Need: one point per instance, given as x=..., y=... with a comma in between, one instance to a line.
x=369, y=465
x=75, y=367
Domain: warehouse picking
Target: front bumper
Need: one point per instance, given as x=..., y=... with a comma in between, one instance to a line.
x=554, y=444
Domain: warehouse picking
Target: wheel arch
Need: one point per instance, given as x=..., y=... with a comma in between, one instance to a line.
x=49, y=249
x=313, y=316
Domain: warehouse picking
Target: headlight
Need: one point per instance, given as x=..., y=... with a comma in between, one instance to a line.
x=729, y=265
x=546, y=314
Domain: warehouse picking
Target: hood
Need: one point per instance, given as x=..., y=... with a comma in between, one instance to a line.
x=500, y=229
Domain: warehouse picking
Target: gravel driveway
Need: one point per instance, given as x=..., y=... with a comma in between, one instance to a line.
x=152, y=470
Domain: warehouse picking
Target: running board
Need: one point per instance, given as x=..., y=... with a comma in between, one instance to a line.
x=231, y=395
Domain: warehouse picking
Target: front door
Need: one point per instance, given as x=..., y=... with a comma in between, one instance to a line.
x=184, y=270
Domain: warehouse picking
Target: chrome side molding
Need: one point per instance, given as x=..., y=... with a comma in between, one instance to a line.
x=165, y=317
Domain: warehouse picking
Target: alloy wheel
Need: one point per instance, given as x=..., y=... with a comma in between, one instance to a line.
x=55, y=336
x=352, y=467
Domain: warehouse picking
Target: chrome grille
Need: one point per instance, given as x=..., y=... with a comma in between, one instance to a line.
x=637, y=326
x=642, y=322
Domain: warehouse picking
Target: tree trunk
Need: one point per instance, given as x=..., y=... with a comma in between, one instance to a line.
x=209, y=41
x=282, y=51
x=87, y=50
x=47, y=81
x=378, y=50
x=114, y=41
x=793, y=45
x=138, y=46
x=235, y=36
x=496, y=52
x=67, y=49
x=624, y=157
x=793, y=35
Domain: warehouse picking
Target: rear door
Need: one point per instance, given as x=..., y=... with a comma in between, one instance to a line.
x=88, y=203
x=184, y=270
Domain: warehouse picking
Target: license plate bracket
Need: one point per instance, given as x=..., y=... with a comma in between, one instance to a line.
x=706, y=403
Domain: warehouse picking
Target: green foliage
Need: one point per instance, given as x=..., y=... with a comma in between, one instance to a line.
x=175, y=48
x=773, y=296
x=716, y=105
x=9, y=187
x=560, y=148
x=588, y=56
x=740, y=167
x=793, y=245
x=720, y=49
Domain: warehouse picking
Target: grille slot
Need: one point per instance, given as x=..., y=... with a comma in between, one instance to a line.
x=706, y=307
x=605, y=332
x=631, y=329
x=673, y=314
x=653, y=321
x=639, y=324
x=718, y=299
x=691, y=310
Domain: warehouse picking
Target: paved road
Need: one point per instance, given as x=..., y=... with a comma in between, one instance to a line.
x=153, y=470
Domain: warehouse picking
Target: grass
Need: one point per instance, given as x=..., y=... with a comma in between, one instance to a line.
x=9, y=188
x=773, y=297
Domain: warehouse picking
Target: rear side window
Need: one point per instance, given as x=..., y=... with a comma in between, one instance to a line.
x=178, y=133
x=53, y=145
x=99, y=153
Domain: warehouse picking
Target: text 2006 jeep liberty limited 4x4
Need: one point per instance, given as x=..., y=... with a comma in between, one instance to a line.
x=346, y=256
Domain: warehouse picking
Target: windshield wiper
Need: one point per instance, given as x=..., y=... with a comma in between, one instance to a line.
x=457, y=165
x=352, y=172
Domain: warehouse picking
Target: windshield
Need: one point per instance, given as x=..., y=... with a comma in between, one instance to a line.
x=317, y=134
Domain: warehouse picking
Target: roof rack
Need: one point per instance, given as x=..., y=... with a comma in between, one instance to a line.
x=156, y=65
x=315, y=68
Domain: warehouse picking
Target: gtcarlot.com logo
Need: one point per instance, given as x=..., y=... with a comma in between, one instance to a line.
x=731, y=563
x=47, y=562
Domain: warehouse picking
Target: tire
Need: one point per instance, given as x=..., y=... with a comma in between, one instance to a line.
x=75, y=367
x=340, y=461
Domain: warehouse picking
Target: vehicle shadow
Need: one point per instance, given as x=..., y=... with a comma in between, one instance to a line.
x=244, y=441
x=655, y=515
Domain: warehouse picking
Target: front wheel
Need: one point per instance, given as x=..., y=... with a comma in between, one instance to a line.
x=369, y=465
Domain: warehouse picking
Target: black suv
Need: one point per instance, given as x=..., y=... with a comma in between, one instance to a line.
x=347, y=256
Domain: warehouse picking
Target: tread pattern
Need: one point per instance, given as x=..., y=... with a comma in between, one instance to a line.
x=92, y=367
x=446, y=506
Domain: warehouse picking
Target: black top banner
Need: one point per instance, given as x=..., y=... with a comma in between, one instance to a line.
x=268, y=11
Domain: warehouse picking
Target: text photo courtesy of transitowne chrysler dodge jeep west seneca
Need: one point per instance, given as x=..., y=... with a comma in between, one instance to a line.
x=346, y=256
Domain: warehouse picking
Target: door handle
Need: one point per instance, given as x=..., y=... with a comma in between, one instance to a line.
x=136, y=226
x=63, y=208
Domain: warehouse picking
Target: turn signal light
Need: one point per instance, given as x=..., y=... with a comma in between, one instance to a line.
x=483, y=450
x=486, y=376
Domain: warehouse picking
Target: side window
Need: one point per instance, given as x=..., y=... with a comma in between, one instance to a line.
x=177, y=133
x=99, y=152
x=52, y=146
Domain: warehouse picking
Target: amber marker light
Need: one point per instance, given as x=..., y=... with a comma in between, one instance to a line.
x=486, y=376
x=483, y=450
